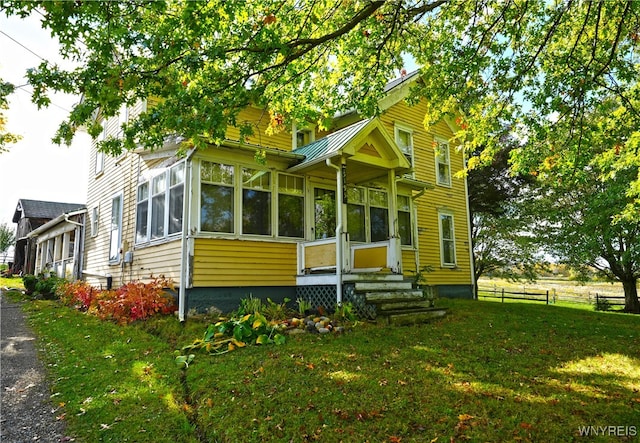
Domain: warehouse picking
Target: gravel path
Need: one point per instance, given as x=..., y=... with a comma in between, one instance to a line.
x=26, y=411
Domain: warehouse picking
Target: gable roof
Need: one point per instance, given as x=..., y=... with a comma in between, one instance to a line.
x=43, y=209
x=330, y=144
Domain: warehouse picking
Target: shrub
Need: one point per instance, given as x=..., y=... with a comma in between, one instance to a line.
x=29, y=281
x=131, y=302
x=77, y=294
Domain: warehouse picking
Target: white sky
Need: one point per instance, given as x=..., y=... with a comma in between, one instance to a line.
x=35, y=167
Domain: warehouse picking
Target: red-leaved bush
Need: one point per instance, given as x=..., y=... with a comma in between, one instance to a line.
x=131, y=302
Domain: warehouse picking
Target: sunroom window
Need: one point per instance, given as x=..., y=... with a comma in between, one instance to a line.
x=290, y=206
x=256, y=201
x=379, y=215
x=159, y=205
x=356, y=218
x=216, y=197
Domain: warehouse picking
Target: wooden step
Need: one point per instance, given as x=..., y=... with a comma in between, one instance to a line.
x=393, y=296
x=404, y=306
x=367, y=286
x=413, y=317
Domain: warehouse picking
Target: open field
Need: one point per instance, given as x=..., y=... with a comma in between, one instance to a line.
x=485, y=372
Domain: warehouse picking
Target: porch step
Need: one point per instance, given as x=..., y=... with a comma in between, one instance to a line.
x=386, y=308
x=383, y=297
x=412, y=317
x=362, y=286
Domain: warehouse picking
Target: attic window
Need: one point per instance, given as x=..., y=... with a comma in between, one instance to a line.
x=303, y=136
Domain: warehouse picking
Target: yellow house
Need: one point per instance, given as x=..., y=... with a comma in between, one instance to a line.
x=369, y=202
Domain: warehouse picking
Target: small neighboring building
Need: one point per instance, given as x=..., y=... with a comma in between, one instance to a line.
x=59, y=245
x=29, y=216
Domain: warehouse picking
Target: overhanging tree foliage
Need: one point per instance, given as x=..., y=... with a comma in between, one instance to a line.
x=485, y=61
x=583, y=201
x=541, y=67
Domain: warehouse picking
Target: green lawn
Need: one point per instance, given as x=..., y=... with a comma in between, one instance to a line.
x=486, y=372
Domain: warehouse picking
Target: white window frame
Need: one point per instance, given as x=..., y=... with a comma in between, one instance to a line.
x=442, y=157
x=408, y=151
x=411, y=218
x=114, y=246
x=278, y=191
x=95, y=221
x=452, y=240
x=162, y=175
x=309, y=135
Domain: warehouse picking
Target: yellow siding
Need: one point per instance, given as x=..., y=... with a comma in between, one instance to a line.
x=120, y=175
x=220, y=262
x=259, y=119
x=442, y=198
x=408, y=262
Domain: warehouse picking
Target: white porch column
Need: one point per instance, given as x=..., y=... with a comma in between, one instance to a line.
x=393, y=219
x=339, y=230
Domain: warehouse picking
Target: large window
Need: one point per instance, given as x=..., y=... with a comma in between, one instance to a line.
x=238, y=200
x=379, y=215
x=216, y=197
x=115, y=235
x=142, y=213
x=443, y=163
x=404, y=220
x=290, y=206
x=447, y=240
x=159, y=205
x=176, y=196
x=356, y=214
x=256, y=201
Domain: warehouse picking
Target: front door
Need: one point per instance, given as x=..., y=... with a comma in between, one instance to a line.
x=324, y=208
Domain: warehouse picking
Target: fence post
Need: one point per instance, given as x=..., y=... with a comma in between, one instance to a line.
x=597, y=301
x=502, y=295
x=547, y=296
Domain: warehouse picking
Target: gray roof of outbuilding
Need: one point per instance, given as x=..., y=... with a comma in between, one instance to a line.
x=43, y=209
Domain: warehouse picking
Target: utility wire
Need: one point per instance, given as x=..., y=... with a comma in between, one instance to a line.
x=23, y=46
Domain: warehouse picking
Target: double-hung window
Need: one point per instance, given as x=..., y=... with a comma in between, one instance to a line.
x=404, y=140
x=115, y=234
x=443, y=163
x=404, y=220
x=216, y=197
x=447, y=240
x=379, y=215
x=290, y=206
x=356, y=214
x=256, y=201
x=159, y=205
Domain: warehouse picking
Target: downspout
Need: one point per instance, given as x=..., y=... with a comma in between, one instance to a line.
x=184, y=250
x=339, y=252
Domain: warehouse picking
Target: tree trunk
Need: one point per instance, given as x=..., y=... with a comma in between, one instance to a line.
x=631, y=303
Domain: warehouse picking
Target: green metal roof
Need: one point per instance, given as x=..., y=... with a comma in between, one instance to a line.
x=331, y=144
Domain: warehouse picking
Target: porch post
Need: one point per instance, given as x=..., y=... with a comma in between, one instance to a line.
x=339, y=211
x=393, y=220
